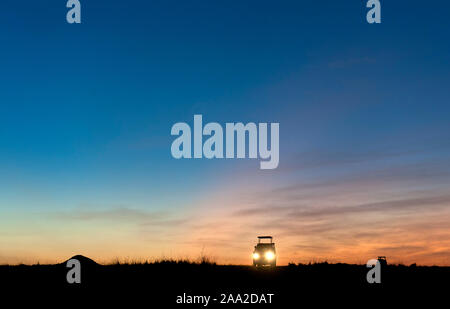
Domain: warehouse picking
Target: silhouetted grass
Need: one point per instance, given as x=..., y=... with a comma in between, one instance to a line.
x=201, y=260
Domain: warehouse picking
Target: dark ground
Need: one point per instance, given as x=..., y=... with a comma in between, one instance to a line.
x=294, y=286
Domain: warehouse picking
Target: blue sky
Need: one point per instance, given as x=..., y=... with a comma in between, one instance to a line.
x=86, y=110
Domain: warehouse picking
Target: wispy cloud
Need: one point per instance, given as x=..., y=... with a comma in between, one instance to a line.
x=345, y=63
x=139, y=217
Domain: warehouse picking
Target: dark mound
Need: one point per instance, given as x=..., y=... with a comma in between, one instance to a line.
x=84, y=261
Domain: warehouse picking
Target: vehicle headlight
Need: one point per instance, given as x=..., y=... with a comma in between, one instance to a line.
x=256, y=256
x=269, y=255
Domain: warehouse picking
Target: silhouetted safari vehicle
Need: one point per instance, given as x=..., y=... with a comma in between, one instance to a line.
x=382, y=260
x=264, y=253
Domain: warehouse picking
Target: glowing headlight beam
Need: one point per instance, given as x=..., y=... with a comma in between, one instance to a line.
x=269, y=255
x=255, y=256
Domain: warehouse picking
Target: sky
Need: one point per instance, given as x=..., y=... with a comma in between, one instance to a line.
x=87, y=110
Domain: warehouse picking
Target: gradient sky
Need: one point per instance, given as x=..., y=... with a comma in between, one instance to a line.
x=86, y=112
